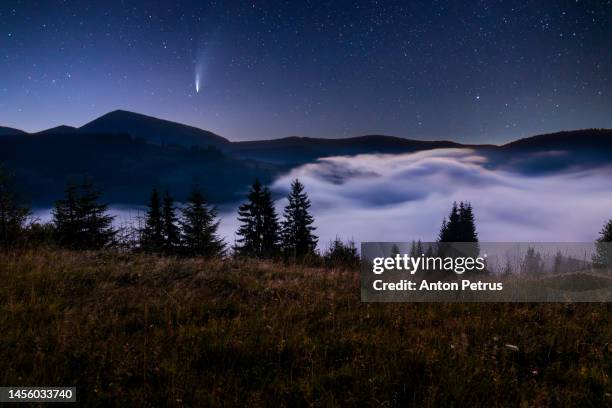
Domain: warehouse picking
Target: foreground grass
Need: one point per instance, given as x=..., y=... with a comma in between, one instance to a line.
x=136, y=330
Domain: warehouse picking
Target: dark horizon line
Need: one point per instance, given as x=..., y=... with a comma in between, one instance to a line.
x=463, y=144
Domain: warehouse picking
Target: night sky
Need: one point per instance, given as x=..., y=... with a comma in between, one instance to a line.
x=475, y=71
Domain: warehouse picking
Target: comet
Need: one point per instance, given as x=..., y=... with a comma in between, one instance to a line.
x=200, y=69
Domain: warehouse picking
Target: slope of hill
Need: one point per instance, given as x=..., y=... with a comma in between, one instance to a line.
x=59, y=130
x=585, y=148
x=153, y=130
x=7, y=131
x=135, y=329
x=124, y=168
x=304, y=149
x=129, y=152
x=582, y=139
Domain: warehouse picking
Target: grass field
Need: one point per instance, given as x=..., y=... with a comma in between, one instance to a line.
x=137, y=330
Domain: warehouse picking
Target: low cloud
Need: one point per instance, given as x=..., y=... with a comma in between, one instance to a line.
x=405, y=197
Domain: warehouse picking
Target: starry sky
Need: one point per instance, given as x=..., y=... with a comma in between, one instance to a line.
x=473, y=71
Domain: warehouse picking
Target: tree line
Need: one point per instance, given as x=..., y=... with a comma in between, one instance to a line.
x=80, y=221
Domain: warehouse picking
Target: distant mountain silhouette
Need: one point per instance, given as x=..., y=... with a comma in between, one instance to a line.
x=7, y=131
x=59, y=130
x=304, y=149
x=555, y=152
x=127, y=153
x=124, y=168
x=567, y=140
x=153, y=130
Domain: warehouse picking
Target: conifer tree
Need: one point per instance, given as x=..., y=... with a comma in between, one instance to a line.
x=451, y=229
x=460, y=227
x=603, y=246
x=259, y=230
x=66, y=218
x=251, y=223
x=97, y=229
x=170, y=229
x=297, y=235
x=342, y=255
x=467, y=230
x=153, y=234
x=199, y=228
x=80, y=221
x=13, y=215
x=270, y=242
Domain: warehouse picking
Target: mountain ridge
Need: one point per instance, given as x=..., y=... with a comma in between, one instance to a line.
x=125, y=162
x=152, y=129
x=163, y=131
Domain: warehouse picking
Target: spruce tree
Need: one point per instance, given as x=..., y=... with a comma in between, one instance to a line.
x=258, y=232
x=342, y=255
x=80, y=221
x=450, y=230
x=460, y=227
x=170, y=229
x=153, y=233
x=270, y=236
x=603, y=247
x=13, y=215
x=297, y=235
x=97, y=224
x=467, y=230
x=66, y=218
x=251, y=223
x=199, y=228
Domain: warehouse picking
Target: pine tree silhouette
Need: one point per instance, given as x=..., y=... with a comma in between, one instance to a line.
x=66, y=218
x=270, y=241
x=298, y=240
x=251, y=219
x=199, y=228
x=451, y=229
x=467, y=230
x=258, y=232
x=603, y=247
x=13, y=215
x=153, y=232
x=460, y=228
x=341, y=255
x=80, y=221
x=170, y=230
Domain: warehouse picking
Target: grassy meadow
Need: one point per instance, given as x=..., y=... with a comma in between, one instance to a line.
x=141, y=330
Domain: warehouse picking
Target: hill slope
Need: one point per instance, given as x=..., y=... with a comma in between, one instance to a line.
x=125, y=169
x=131, y=330
x=153, y=130
x=305, y=149
x=7, y=131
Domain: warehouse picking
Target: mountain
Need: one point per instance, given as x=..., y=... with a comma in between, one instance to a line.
x=298, y=150
x=7, y=131
x=153, y=130
x=59, y=130
x=123, y=168
x=584, y=139
x=126, y=154
x=553, y=152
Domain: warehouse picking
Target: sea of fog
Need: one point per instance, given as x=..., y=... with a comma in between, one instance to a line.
x=405, y=197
